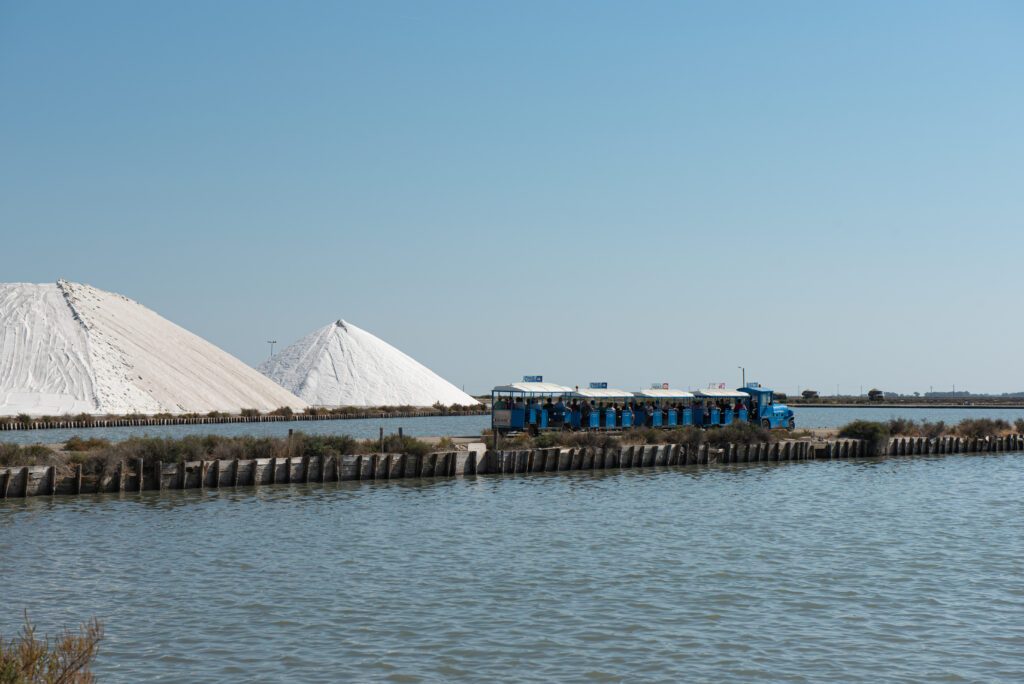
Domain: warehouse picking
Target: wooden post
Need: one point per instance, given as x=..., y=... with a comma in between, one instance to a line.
x=7, y=479
x=255, y=477
x=159, y=468
x=234, y=473
x=374, y=467
x=24, y=482
x=120, y=477
x=53, y=480
x=323, y=468
x=288, y=470
x=216, y=474
x=359, y=468
x=273, y=470
x=138, y=469
x=78, y=480
x=305, y=470
x=182, y=474
x=382, y=439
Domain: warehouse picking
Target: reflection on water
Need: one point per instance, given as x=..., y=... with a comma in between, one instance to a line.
x=865, y=570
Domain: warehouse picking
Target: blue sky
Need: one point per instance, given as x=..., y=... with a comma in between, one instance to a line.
x=826, y=193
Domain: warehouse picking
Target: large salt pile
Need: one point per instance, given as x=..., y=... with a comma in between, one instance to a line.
x=71, y=348
x=342, y=365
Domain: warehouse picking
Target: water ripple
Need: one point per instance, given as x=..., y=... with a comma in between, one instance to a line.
x=894, y=570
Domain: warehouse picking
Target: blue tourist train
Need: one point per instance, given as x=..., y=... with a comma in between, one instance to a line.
x=534, y=405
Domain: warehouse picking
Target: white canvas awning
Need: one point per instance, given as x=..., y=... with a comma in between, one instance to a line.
x=664, y=394
x=603, y=393
x=534, y=388
x=715, y=393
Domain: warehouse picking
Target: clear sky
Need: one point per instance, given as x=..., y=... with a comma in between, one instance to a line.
x=826, y=193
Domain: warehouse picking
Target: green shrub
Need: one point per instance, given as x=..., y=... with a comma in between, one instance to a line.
x=931, y=430
x=285, y=411
x=876, y=434
x=688, y=436
x=23, y=418
x=738, y=433
x=902, y=426
x=32, y=454
x=249, y=412
x=978, y=428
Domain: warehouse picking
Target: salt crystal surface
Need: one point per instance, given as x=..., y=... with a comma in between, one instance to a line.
x=72, y=348
x=343, y=365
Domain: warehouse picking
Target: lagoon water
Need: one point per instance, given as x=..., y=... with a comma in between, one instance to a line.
x=806, y=417
x=888, y=570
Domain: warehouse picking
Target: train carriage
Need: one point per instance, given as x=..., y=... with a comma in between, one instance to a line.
x=534, y=405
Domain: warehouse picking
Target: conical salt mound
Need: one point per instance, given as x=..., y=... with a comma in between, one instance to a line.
x=342, y=365
x=70, y=348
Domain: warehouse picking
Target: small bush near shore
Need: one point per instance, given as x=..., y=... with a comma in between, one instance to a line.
x=285, y=411
x=977, y=428
x=909, y=428
x=738, y=433
x=23, y=418
x=876, y=434
x=63, y=659
x=249, y=412
x=76, y=443
x=33, y=454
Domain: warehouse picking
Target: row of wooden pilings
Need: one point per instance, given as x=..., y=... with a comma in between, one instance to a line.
x=139, y=476
x=207, y=420
x=919, y=446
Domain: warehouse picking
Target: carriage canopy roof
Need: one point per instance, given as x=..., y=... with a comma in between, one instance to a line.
x=665, y=394
x=602, y=393
x=715, y=393
x=534, y=388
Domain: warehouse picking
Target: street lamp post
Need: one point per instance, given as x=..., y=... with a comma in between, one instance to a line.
x=271, y=343
x=743, y=376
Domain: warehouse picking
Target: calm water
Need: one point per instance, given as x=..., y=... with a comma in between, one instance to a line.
x=809, y=417
x=893, y=570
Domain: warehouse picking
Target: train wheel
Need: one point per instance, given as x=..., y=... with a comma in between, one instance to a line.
x=792, y=424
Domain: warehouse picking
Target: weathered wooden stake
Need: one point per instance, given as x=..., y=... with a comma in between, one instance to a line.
x=159, y=468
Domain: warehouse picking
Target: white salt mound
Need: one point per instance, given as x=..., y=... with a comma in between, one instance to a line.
x=342, y=365
x=71, y=348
